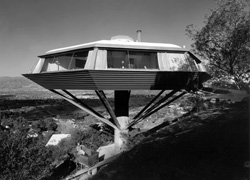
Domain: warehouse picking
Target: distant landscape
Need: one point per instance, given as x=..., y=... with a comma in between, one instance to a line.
x=22, y=88
x=17, y=83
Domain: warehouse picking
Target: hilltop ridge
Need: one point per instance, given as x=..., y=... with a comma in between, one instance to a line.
x=17, y=83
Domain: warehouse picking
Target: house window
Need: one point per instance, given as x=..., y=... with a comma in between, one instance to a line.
x=117, y=59
x=47, y=62
x=143, y=60
x=181, y=62
x=79, y=60
x=63, y=61
x=66, y=61
x=132, y=59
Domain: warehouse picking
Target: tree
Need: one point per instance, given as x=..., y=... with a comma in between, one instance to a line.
x=225, y=41
x=22, y=157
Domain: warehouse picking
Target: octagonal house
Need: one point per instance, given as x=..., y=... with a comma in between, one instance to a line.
x=119, y=64
x=122, y=65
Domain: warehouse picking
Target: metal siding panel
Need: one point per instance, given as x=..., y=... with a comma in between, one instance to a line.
x=114, y=79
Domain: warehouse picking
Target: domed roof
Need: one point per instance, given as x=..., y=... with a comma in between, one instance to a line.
x=122, y=38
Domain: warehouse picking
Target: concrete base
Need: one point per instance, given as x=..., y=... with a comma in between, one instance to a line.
x=106, y=152
x=121, y=136
x=121, y=139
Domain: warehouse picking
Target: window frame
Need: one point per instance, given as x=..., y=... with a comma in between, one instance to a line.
x=128, y=57
x=73, y=52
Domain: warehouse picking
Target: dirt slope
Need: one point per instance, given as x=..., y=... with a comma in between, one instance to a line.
x=212, y=144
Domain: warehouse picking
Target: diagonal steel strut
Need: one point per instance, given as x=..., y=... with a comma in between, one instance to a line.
x=106, y=104
x=82, y=103
x=157, y=104
x=157, y=107
x=148, y=105
x=163, y=105
x=75, y=101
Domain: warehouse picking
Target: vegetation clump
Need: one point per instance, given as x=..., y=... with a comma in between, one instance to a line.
x=23, y=157
x=224, y=41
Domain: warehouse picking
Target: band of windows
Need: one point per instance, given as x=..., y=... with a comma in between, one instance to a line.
x=119, y=59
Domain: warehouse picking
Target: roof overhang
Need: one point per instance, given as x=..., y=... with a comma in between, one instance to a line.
x=117, y=44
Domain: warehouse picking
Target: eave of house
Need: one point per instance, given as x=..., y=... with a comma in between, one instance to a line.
x=117, y=44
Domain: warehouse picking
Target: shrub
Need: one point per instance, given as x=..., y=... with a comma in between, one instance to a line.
x=22, y=157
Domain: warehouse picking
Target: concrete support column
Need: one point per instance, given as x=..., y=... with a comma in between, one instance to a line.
x=122, y=103
x=122, y=113
x=122, y=136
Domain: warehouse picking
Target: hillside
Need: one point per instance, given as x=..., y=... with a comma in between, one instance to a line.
x=17, y=83
x=206, y=143
x=22, y=88
x=211, y=144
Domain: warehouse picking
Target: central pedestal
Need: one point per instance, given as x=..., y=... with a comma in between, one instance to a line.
x=121, y=136
x=122, y=114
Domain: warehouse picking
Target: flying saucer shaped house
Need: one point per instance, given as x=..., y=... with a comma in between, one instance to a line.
x=118, y=64
x=122, y=65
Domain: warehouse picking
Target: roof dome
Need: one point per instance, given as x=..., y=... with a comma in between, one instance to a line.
x=122, y=38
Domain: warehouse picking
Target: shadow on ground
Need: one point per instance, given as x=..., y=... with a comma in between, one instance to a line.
x=217, y=147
